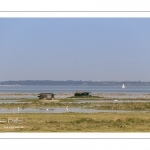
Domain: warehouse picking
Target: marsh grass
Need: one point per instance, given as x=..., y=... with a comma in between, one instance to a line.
x=79, y=122
x=33, y=100
x=125, y=106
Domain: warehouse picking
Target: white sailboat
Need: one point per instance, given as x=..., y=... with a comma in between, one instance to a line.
x=123, y=86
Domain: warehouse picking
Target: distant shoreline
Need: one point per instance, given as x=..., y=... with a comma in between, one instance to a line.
x=72, y=83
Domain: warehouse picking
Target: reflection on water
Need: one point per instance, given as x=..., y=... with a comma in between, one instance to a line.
x=59, y=110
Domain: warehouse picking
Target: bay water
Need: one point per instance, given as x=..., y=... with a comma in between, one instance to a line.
x=66, y=89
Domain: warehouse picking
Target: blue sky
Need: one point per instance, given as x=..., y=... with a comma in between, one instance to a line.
x=95, y=49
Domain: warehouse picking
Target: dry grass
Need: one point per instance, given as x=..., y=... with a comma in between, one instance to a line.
x=78, y=122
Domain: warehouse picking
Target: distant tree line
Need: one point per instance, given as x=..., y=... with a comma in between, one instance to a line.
x=75, y=83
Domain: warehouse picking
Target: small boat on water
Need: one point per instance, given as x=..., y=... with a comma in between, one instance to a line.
x=123, y=86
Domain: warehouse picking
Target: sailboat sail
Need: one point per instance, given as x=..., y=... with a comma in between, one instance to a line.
x=123, y=86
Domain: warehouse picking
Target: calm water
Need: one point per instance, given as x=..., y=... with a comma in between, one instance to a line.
x=10, y=101
x=63, y=89
x=61, y=110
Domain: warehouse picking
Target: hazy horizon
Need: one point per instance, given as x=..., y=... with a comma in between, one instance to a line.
x=88, y=49
x=79, y=80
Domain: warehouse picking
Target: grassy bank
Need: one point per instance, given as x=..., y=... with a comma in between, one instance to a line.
x=124, y=106
x=76, y=122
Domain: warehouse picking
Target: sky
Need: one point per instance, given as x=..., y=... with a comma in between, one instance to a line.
x=87, y=49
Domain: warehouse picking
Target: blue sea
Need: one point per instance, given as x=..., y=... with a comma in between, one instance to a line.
x=66, y=89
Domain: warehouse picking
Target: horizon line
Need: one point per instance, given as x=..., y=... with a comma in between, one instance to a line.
x=81, y=80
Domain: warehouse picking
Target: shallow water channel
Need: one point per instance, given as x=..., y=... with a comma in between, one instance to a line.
x=60, y=110
x=11, y=101
x=64, y=109
x=17, y=97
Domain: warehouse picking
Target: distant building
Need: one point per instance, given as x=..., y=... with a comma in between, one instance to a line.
x=48, y=96
x=81, y=93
